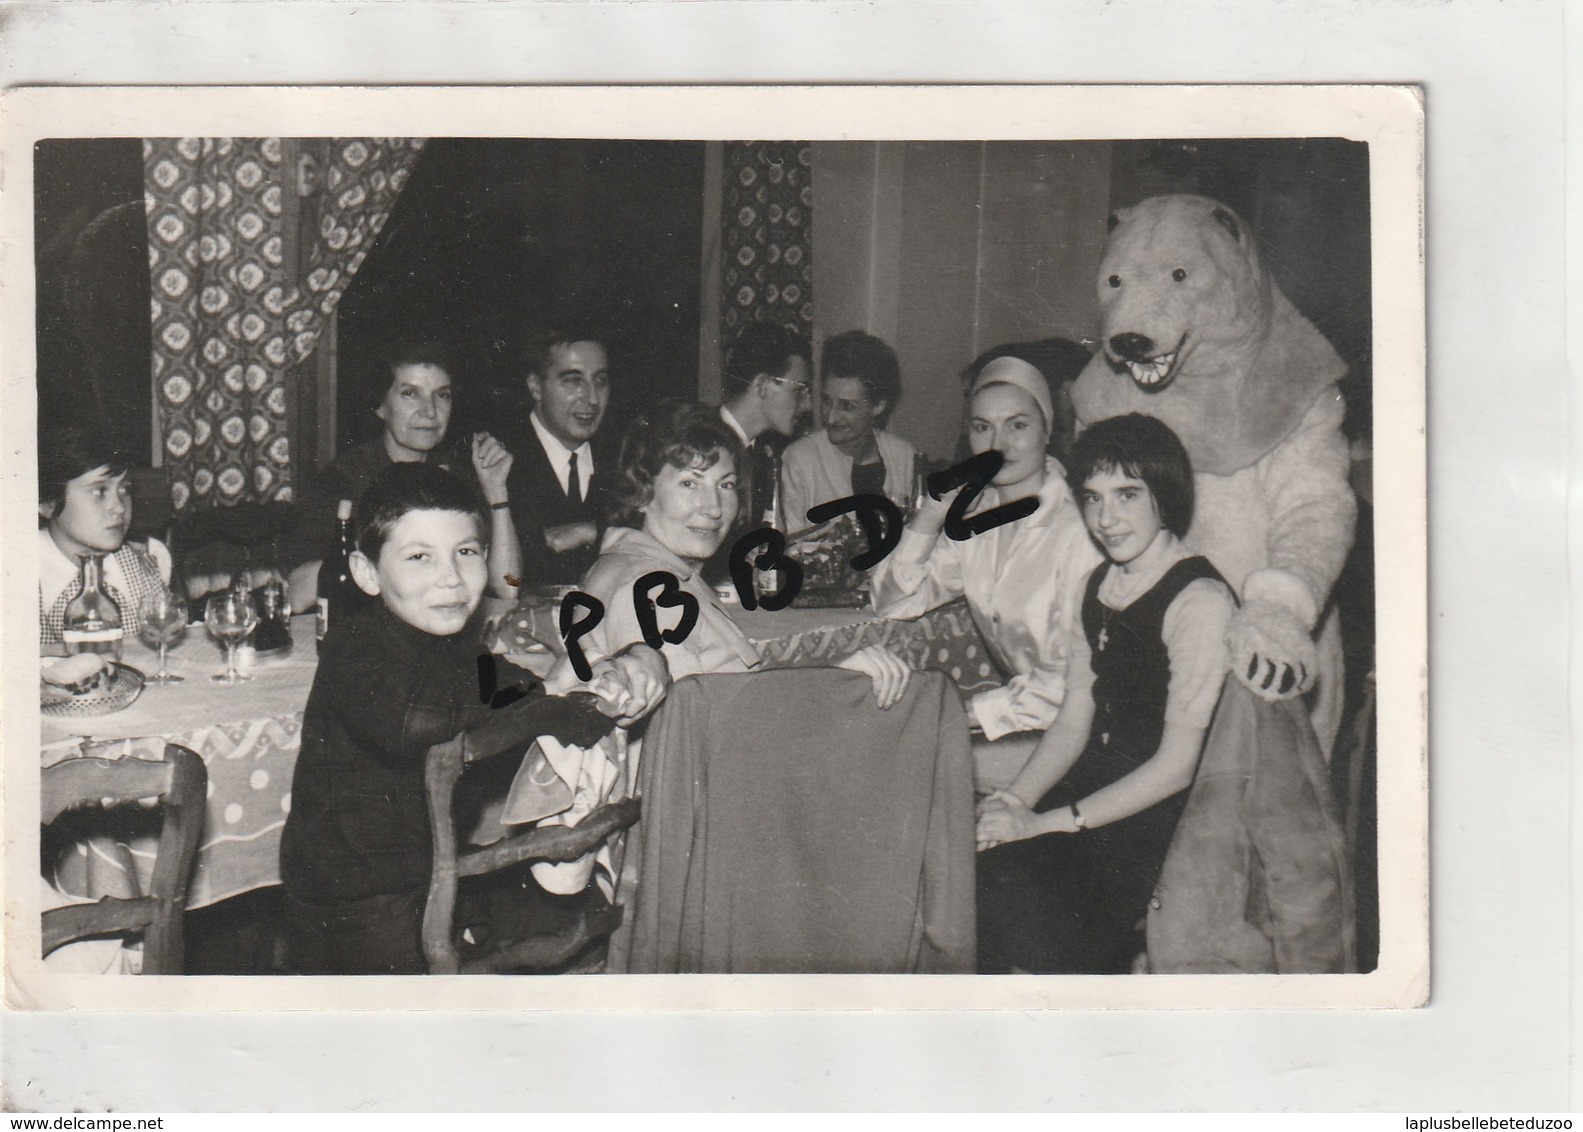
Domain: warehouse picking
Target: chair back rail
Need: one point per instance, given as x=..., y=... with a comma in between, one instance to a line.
x=179, y=781
x=551, y=842
x=548, y=843
x=109, y=914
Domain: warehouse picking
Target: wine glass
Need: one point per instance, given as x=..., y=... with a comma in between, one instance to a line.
x=230, y=617
x=164, y=616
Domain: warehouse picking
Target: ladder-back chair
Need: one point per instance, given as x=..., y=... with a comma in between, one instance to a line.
x=179, y=781
x=446, y=762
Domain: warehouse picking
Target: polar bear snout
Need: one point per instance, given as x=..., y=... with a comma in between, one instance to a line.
x=1141, y=357
x=1131, y=347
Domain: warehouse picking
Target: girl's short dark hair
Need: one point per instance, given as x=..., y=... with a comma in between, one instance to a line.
x=683, y=434
x=870, y=360
x=71, y=450
x=417, y=486
x=1143, y=447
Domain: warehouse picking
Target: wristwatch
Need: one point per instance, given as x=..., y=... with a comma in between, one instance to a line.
x=1077, y=818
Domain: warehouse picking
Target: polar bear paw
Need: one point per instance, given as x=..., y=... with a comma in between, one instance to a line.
x=1271, y=652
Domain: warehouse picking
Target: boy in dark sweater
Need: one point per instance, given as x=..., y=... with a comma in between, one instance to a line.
x=393, y=681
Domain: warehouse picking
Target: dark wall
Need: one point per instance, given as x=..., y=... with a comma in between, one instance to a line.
x=492, y=238
x=91, y=267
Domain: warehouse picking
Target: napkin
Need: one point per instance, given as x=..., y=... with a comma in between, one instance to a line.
x=560, y=784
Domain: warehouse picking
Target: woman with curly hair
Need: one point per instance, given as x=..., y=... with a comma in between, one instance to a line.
x=673, y=503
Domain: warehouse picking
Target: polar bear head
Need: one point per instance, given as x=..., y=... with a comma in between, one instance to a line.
x=1180, y=277
x=1194, y=332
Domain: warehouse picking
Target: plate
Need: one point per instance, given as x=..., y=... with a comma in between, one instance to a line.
x=124, y=687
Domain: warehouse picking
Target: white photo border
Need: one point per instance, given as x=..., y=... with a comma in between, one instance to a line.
x=1389, y=119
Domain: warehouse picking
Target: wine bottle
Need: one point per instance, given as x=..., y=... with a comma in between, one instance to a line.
x=772, y=506
x=920, y=476
x=92, y=622
x=338, y=593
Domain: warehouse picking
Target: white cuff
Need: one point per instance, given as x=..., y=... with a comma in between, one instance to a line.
x=988, y=711
x=915, y=546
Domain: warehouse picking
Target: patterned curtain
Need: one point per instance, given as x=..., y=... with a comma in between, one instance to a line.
x=231, y=312
x=767, y=251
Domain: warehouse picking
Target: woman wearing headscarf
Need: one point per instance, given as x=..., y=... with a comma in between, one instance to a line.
x=1023, y=580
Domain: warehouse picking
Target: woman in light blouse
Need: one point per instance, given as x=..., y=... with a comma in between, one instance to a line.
x=1023, y=580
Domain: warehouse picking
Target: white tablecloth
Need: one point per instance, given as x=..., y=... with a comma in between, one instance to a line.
x=248, y=736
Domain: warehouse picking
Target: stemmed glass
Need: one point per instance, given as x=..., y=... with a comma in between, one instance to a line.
x=230, y=617
x=164, y=616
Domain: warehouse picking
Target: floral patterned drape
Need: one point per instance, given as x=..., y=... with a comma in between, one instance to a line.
x=230, y=314
x=768, y=236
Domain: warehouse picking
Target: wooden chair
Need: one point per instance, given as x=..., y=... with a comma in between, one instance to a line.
x=446, y=761
x=180, y=782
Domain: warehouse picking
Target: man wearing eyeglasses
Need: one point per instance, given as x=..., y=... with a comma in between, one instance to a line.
x=766, y=389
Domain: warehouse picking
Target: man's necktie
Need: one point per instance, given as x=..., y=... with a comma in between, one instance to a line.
x=574, y=487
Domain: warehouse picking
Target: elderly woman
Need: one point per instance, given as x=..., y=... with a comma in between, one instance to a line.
x=412, y=394
x=852, y=454
x=1023, y=580
x=675, y=499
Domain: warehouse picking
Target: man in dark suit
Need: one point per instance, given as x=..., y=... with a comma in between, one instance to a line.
x=557, y=479
x=766, y=387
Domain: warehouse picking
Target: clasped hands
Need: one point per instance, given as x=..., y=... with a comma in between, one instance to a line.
x=1003, y=816
x=630, y=684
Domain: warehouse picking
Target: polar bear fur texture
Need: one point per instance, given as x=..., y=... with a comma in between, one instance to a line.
x=1196, y=333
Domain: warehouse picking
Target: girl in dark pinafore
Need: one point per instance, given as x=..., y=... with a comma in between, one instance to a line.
x=1070, y=852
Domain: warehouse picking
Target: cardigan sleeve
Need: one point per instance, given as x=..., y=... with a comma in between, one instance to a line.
x=1195, y=638
x=396, y=709
x=798, y=486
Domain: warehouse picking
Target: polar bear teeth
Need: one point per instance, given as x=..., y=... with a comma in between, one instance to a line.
x=1151, y=371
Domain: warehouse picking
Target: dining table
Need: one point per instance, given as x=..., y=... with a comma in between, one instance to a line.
x=805, y=635
x=249, y=734
x=944, y=639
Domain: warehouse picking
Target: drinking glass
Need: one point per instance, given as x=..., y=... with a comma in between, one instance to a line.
x=164, y=616
x=230, y=617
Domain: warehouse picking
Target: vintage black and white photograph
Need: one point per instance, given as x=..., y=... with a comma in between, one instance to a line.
x=591, y=553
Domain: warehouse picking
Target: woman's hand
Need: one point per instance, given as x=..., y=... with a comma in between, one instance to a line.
x=492, y=462
x=929, y=519
x=631, y=684
x=888, y=672
x=1004, y=817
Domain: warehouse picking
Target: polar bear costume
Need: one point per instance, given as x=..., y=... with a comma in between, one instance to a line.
x=1196, y=333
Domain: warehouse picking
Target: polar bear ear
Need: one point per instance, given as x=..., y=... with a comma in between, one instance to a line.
x=1229, y=222
x=1115, y=219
